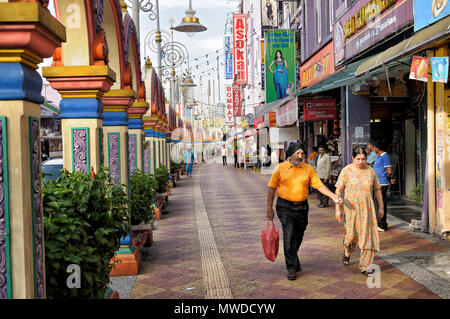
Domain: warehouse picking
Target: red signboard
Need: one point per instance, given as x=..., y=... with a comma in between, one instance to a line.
x=320, y=109
x=240, y=70
x=236, y=101
x=366, y=23
x=272, y=119
x=319, y=67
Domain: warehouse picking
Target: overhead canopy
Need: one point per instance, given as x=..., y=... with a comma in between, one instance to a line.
x=428, y=37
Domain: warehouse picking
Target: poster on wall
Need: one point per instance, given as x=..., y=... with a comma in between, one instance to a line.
x=269, y=13
x=419, y=69
x=240, y=68
x=427, y=12
x=439, y=69
x=280, y=63
x=228, y=59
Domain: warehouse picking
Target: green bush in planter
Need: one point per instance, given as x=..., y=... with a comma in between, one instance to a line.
x=85, y=216
x=162, y=177
x=417, y=194
x=174, y=167
x=142, y=194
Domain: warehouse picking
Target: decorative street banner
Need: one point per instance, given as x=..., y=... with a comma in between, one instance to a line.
x=427, y=12
x=280, y=62
x=269, y=12
x=240, y=71
x=319, y=67
x=228, y=59
x=439, y=68
x=419, y=69
x=229, y=119
x=263, y=67
x=272, y=119
x=236, y=101
x=366, y=23
x=320, y=109
x=288, y=113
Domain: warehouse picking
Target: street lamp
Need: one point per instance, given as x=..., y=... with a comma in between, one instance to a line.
x=190, y=24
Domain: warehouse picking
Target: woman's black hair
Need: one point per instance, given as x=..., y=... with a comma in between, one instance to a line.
x=359, y=151
x=281, y=53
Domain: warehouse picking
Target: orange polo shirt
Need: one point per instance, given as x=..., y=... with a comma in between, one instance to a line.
x=292, y=182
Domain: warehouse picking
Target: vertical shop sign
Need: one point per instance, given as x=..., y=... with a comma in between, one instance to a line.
x=263, y=67
x=236, y=101
x=419, y=69
x=272, y=119
x=240, y=73
x=229, y=118
x=228, y=59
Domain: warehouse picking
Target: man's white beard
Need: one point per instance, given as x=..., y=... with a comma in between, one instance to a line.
x=295, y=162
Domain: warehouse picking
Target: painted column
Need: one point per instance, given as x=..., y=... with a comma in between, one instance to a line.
x=136, y=136
x=28, y=33
x=115, y=133
x=149, y=123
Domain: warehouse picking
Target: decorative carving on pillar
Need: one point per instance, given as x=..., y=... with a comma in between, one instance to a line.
x=4, y=216
x=127, y=77
x=132, y=158
x=36, y=207
x=102, y=154
x=147, y=158
x=98, y=13
x=80, y=149
x=100, y=48
x=113, y=157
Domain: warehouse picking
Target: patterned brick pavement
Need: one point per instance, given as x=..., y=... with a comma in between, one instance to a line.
x=235, y=204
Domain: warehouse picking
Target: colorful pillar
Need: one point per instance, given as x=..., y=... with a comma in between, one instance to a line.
x=115, y=133
x=149, y=124
x=28, y=33
x=136, y=135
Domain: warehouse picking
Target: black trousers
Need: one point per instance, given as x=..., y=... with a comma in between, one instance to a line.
x=224, y=160
x=382, y=223
x=323, y=198
x=235, y=161
x=294, y=219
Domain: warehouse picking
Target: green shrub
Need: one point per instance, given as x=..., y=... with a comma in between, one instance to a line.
x=174, y=167
x=85, y=216
x=142, y=195
x=417, y=194
x=162, y=177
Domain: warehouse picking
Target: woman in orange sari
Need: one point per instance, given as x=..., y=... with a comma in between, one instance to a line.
x=359, y=181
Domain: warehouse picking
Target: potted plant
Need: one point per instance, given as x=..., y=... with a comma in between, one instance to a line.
x=85, y=216
x=142, y=195
x=162, y=177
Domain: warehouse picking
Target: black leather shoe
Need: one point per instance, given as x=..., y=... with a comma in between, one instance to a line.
x=292, y=274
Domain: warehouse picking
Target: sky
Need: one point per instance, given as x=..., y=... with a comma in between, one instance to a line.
x=213, y=15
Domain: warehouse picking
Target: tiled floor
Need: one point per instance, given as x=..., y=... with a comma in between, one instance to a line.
x=235, y=201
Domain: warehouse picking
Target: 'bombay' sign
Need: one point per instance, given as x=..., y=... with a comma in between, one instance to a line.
x=229, y=118
x=240, y=71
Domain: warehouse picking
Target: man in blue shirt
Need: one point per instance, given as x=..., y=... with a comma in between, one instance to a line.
x=383, y=168
x=371, y=155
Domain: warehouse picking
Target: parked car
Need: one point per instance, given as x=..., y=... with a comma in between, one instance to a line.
x=52, y=167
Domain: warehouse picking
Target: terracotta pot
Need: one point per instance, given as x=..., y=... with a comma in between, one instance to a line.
x=157, y=214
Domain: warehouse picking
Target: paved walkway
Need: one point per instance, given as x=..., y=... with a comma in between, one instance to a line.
x=209, y=246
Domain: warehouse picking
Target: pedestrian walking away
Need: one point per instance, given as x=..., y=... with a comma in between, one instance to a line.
x=291, y=179
x=236, y=157
x=323, y=171
x=189, y=160
x=360, y=222
x=383, y=169
x=224, y=155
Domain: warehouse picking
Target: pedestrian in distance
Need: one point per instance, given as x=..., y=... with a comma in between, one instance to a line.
x=291, y=179
x=383, y=169
x=236, y=164
x=359, y=180
x=224, y=155
x=323, y=170
x=189, y=160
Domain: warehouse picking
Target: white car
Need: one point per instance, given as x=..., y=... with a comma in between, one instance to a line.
x=52, y=167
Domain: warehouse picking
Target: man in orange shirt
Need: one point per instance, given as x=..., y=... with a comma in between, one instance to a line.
x=291, y=178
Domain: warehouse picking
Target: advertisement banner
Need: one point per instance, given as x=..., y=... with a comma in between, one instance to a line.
x=269, y=12
x=439, y=68
x=263, y=67
x=419, y=69
x=229, y=118
x=320, y=109
x=240, y=69
x=272, y=119
x=280, y=63
x=288, y=113
x=427, y=12
x=366, y=23
x=319, y=67
x=228, y=59
x=236, y=101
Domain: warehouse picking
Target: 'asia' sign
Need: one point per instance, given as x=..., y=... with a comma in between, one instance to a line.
x=229, y=119
x=319, y=67
x=366, y=23
x=320, y=109
x=228, y=59
x=236, y=101
x=239, y=49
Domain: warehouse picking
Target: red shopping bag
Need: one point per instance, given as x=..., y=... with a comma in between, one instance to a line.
x=270, y=240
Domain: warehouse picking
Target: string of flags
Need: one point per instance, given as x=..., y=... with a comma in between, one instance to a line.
x=439, y=69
